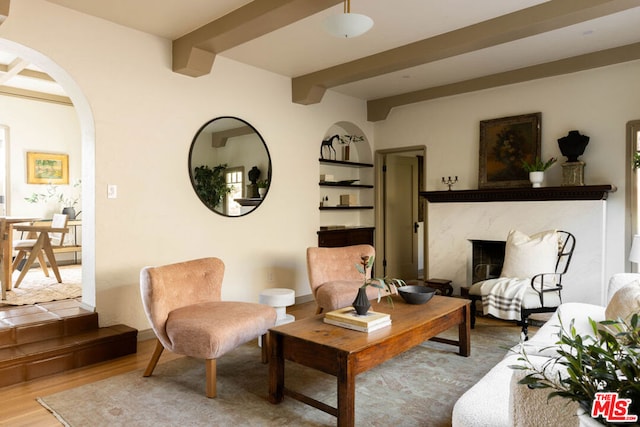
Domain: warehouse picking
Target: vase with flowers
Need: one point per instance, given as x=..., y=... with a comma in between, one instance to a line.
x=537, y=169
x=65, y=197
x=361, y=304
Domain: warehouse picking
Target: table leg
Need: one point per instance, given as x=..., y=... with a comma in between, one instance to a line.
x=346, y=391
x=464, y=332
x=276, y=368
x=6, y=266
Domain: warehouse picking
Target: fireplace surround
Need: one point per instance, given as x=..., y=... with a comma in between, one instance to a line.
x=455, y=219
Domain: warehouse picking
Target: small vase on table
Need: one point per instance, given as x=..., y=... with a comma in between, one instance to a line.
x=361, y=304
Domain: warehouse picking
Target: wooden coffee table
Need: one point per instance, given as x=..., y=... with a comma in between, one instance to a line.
x=345, y=353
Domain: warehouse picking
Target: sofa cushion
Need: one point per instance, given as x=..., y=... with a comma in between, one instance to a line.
x=624, y=303
x=526, y=256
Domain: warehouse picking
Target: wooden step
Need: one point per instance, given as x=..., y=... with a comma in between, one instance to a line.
x=49, y=338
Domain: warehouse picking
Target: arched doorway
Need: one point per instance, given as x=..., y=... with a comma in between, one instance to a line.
x=87, y=137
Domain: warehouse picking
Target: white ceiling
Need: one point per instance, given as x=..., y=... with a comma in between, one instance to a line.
x=304, y=47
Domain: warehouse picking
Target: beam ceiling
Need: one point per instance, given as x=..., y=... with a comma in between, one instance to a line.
x=309, y=88
x=193, y=53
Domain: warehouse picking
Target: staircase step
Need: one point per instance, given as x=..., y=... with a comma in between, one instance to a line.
x=55, y=337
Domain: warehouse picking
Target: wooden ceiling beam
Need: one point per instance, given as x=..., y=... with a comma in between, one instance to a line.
x=194, y=53
x=4, y=10
x=378, y=109
x=548, y=16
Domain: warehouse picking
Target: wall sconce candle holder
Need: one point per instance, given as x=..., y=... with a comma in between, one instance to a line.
x=449, y=181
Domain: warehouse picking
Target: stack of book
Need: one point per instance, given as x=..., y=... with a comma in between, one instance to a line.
x=348, y=318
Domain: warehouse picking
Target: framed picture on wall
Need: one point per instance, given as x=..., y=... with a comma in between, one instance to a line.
x=47, y=168
x=504, y=144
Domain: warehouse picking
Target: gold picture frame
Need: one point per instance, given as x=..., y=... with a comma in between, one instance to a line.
x=504, y=144
x=47, y=168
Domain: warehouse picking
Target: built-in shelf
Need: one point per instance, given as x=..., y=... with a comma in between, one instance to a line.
x=335, y=208
x=585, y=192
x=346, y=163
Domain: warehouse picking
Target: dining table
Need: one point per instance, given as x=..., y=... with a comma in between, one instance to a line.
x=6, y=235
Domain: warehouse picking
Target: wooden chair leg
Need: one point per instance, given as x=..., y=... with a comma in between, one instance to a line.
x=154, y=359
x=37, y=248
x=211, y=378
x=318, y=310
x=43, y=264
x=16, y=261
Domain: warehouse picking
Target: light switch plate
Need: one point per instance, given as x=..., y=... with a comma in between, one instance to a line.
x=112, y=191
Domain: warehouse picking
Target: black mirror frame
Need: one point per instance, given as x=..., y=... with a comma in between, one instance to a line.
x=192, y=178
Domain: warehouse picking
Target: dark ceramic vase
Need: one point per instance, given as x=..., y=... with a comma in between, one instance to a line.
x=361, y=303
x=69, y=212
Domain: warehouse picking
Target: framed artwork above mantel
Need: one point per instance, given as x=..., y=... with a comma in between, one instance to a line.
x=47, y=168
x=504, y=144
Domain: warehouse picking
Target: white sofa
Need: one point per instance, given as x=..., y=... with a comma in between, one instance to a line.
x=497, y=400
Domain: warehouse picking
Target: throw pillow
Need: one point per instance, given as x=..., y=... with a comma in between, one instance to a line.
x=624, y=302
x=525, y=256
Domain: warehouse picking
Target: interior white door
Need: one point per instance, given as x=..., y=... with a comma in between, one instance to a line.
x=401, y=216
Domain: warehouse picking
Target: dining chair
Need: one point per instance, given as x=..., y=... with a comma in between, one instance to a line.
x=41, y=239
x=183, y=304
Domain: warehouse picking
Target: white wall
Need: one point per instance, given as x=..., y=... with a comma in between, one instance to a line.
x=598, y=103
x=145, y=117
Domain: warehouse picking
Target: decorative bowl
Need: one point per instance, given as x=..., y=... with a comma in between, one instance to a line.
x=416, y=294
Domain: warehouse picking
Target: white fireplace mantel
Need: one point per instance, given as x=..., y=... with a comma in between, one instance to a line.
x=452, y=226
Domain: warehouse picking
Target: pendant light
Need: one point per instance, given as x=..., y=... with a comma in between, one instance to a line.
x=347, y=24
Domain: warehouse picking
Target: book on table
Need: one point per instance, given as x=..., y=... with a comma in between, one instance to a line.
x=370, y=328
x=349, y=315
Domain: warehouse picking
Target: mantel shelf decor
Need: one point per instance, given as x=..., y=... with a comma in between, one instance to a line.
x=585, y=192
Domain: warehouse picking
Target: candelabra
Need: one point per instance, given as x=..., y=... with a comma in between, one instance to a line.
x=449, y=181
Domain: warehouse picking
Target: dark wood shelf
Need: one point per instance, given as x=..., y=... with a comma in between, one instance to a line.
x=586, y=192
x=336, y=184
x=346, y=163
x=337, y=208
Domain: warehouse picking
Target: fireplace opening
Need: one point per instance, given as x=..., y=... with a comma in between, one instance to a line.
x=487, y=257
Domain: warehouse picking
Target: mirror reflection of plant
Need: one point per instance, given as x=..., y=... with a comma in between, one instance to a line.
x=263, y=183
x=210, y=184
x=636, y=160
x=60, y=195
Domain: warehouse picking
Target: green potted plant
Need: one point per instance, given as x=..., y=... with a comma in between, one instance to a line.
x=607, y=362
x=361, y=304
x=210, y=184
x=67, y=198
x=536, y=170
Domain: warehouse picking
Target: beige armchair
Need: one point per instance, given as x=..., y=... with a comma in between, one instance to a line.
x=183, y=304
x=333, y=276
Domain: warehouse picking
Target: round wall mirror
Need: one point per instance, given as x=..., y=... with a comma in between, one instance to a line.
x=229, y=166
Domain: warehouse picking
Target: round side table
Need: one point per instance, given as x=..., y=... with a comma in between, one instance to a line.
x=280, y=299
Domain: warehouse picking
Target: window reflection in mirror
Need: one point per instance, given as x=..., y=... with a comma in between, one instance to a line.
x=229, y=166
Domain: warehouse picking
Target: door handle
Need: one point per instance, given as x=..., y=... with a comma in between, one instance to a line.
x=415, y=227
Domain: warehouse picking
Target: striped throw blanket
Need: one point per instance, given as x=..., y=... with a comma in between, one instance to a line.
x=503, y=297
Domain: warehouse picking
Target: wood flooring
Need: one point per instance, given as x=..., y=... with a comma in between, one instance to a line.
x=19, y=407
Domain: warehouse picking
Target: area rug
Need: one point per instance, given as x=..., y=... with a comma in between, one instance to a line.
x=36, y=287
x=416, y=388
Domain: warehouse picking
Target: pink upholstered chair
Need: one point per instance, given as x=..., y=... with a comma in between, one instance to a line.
x=182, y=303
x=333, y=276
